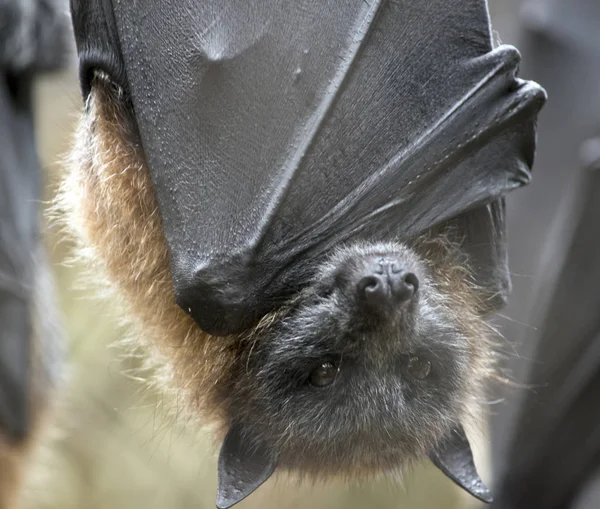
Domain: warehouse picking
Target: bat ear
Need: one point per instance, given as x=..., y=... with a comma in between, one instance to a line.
x=454, y=458
x=242, y=469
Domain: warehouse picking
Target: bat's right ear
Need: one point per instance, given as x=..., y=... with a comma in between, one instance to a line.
x=242, y=468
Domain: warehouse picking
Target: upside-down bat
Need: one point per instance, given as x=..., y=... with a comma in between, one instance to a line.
x=300, y=205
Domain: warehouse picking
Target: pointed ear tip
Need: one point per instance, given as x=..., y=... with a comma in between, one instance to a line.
x=223, y=502
x=486, y=497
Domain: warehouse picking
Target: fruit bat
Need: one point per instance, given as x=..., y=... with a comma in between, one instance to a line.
x=285, y=157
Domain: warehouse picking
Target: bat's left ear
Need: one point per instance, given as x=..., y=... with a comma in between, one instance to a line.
x=242, y=468
x=454, y=458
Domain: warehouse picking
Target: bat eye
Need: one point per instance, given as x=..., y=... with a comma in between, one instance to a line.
x=324, y=374
x=418, y=367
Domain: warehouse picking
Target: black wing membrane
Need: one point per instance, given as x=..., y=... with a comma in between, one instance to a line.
x=276, y=130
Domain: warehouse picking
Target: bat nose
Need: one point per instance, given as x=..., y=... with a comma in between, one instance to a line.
x=387, y=283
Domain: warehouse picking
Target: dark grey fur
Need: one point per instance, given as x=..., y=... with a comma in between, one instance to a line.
x=375, y=416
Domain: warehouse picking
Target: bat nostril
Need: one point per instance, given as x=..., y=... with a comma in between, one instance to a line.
x=373, y=288
x=411, y=280
x=404, y=285
x=368, y=283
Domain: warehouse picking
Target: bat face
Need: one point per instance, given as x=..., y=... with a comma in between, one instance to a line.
x=364, y=371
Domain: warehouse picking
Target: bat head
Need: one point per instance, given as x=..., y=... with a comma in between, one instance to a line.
x=363, y=372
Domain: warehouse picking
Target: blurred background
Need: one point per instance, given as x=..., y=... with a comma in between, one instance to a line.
x=113, y=445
